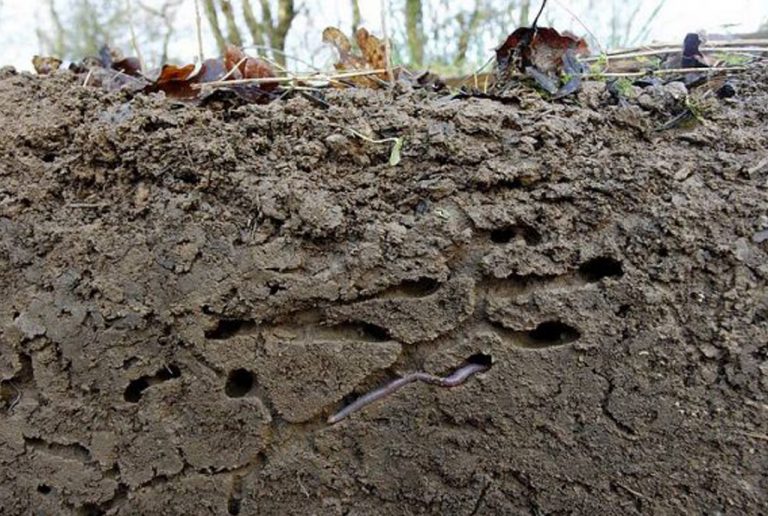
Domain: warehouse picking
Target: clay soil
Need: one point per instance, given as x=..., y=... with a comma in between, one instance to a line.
x=189, y=291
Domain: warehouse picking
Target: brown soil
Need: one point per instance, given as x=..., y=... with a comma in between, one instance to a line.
x=190, y=291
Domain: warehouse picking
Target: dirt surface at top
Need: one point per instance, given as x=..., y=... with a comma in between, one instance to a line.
x=188, y=292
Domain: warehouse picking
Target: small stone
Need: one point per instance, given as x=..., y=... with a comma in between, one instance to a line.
x=709, y=351
x=29, y=327
x=760, y=236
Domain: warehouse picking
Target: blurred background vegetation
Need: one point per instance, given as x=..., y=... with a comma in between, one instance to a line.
x=447, y=35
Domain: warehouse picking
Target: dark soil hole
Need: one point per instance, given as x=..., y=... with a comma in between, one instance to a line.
x=27, y=373
x=227, y=328
x=233, y=506
x=168, y=372
x=375, y=333
x=90, y=509
x=481, y=359
x=509, y=233
x=623, y=310
x=135, y=389
x=44, y=489
x=553, y=333
x=189, y=177
x=421, y=287
x=239, y=383
x=49, y=158
x=601, y=267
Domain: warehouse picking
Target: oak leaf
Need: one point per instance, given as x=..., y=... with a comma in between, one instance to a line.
x=373, y=55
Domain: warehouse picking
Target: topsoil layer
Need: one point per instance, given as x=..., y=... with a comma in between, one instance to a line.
x=188, y=292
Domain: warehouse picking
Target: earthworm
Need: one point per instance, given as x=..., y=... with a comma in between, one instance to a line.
x=456, y=378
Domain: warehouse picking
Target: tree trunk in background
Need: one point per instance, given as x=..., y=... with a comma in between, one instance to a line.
x=254, y=27
x=525, y=12
x=233, y=33
x=286, y=12
x=356, y=16
x=277, y=30
x=57, y=42
x=414, y=27
x=213, y=21
x=468, y=29
x=166, y=14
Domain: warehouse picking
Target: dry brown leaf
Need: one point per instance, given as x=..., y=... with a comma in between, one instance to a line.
x=248, y=67
x=45, y=65
x=338, y=39
x=175, y=81
x=211, y=70
x=543, y=54
x=348, y=61
x=373, y=55
x=374, y=50
x=129, y=66
x=233, y=57
x=541, y=47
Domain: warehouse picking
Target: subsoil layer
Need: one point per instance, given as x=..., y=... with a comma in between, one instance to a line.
x=189, y=291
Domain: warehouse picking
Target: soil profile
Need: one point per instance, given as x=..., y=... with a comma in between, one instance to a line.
x=190, y=291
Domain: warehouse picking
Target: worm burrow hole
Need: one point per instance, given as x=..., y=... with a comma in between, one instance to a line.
x=233, y=506
x=601, y=267
x=90, y=509
x=227, y=328
x=375, y=333
x=43, y=489
x=135, y=390
x=552, y=333
x=421, y=287
x=168, y=372
x=482, y=359
x=509, y=233
x=239, y=383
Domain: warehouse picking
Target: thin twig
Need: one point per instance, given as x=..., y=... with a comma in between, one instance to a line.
x=669, y=50
x=762, y=437
x=234, y=68
x=364, y=137
x=134, y=41
x=631, y=491
x=754, y=170
x=477, y=72
x=87, y=77
x=199, y=24
x=387, y=42
x=87, y=205
x=308, y=78
x=541, y=10
x=666, y=72
x=288, y=56
x=584, y=25
x=16, y=399
x=304, y=88
x=709, y=46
